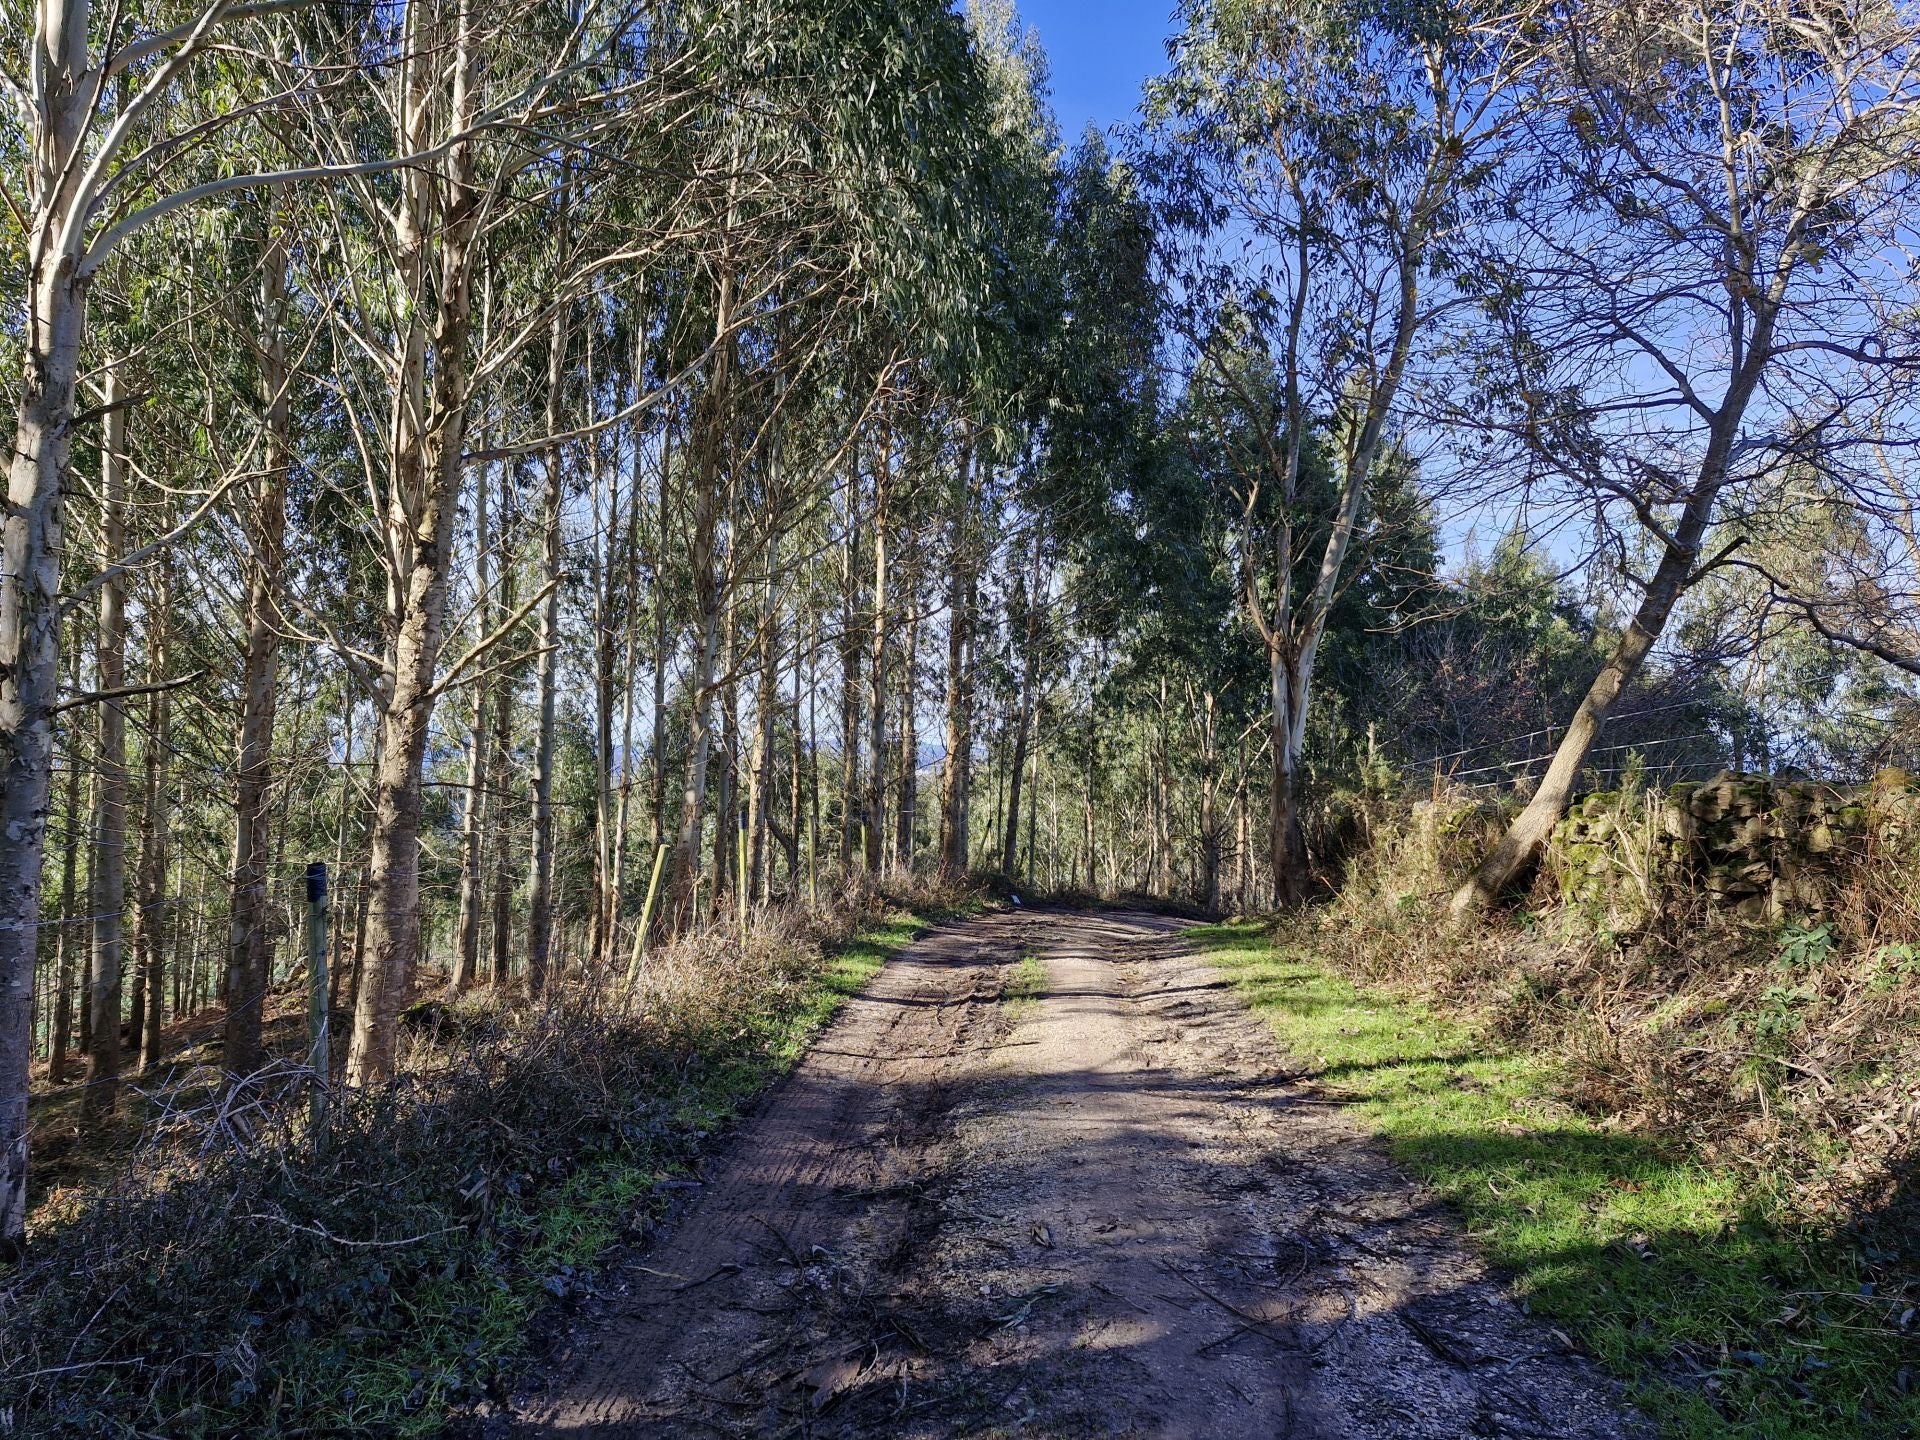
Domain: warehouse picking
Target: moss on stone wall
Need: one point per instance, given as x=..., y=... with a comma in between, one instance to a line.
x=1763, y=847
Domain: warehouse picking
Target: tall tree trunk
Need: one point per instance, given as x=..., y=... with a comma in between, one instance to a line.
x=766, y=709
x=1242, y=830
x=606, y=565
x=473, y=824
x=956, y=773
x=813, y=757
x=67, y=942
x=393, y=866
x=1033, y=799
x=880, y=618
x=1209, y=804
x=1288, y=847
x=248, y=946
x=1159, y=876
x=709, y=438
x=1093, y=771
x=155, y=857
x=109, y=869
x=1023, y=722
x=54, y=287
x=437, y=217
x=693, y=798
x=603, y=565
x=796, y=799
x=1016, y=773
x=623, y=809
x=851, y=813
x=363, y=892
x=725, y=823
x=997, y=758
x=540, y=900
x=657, y=749
x=337, y=939
x=907, y=801
x=1510, y=860
x=630, y=652
x=1520, y=847
x=183, y=954
x=500, y=842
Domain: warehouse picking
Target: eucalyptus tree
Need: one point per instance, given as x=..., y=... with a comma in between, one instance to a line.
x=1335, y=154
x=107, y=151
x=1713, y=243
x=997, y=406
x=856, y=250
x=1323, y=163
x=964, y=542
x=266, y=312
x=1097, y=473
x=475, y=98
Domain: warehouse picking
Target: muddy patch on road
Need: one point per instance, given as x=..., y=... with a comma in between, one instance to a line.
x=1048, y=1177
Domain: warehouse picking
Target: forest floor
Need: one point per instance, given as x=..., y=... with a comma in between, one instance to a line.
x=1048, y=1176
x=68, y=1157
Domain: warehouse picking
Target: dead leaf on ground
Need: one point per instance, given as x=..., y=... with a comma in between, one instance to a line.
x=830, y=1377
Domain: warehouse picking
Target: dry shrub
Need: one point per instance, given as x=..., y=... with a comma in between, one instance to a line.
x=1788, y=1049
x=243, y=1275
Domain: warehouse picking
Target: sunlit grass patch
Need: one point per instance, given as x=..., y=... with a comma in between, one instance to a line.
x=1725, y=1319
x=1025, y=986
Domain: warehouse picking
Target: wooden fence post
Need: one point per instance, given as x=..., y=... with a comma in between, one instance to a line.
x=740, y=875
x=646, y=915
x=319, y=1054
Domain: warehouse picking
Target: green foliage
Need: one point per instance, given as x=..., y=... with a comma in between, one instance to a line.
x=1777, y=1017
x=1806, y=947
x=1894, y=965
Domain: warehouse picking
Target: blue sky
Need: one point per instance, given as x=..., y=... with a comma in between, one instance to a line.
x=1101, y=51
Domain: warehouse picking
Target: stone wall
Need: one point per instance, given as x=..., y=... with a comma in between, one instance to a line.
x=1763, y=847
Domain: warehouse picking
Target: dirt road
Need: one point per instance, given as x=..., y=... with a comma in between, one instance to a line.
x=1077, y=1197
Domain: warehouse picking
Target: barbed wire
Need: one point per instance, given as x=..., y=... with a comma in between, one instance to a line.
x=1549, y=730
x=1600, y=750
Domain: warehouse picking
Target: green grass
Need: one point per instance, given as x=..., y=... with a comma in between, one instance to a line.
x=449, y=1335
x=1724, y=1320
x=1025, y=987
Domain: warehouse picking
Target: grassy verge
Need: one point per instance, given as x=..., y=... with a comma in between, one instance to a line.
x=1725, y=1320
x=368, y=1286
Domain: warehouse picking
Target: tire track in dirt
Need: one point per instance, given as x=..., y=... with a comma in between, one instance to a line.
x=1108, y=1212
x=832, y=1160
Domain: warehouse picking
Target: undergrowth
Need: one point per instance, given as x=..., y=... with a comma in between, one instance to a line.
x=243, y=1278
x=1785, y=1048
x=1728, y=1310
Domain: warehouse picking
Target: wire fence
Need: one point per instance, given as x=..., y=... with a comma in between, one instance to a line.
x=1512, y=772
